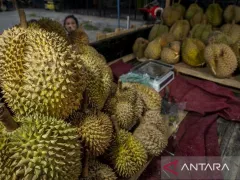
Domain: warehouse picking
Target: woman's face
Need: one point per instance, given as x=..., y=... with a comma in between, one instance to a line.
x=70, y=25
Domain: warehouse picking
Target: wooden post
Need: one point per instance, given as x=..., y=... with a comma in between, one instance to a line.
x=6, y=119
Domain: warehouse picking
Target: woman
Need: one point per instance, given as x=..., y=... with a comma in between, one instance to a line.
x=71, y=23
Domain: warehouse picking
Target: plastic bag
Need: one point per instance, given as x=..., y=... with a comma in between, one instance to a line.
x=136, y=78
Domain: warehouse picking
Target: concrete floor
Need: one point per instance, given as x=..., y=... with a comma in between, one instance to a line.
x=10, y=18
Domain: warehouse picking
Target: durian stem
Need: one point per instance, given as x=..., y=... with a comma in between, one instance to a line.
x=115, y=124
x=213, y=1
x=195, y=1
x=6, y=119
x=85, y=164
x=22, y=16
x=179, y=1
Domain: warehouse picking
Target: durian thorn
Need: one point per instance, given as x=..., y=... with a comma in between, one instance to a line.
x=115, y=123
x=22, y=16
x=6, y=118
x=85, y=164
x=214, y=72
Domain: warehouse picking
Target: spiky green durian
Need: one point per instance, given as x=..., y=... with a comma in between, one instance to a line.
x=157, y=30
x=171, y=15
x=78, y=37
x=153, y=50
x=192, y=52
x=38, y=66
x=151, y=98
x=219, y=37
x=52, y=26
x=221, y=60
x=232, y=31
x=100, y=171
x=169, y=56
x=192, y=10
x=153, y=140
x=180, y=29
x=139, y=47
x=124, y=113
x=179, y=7
x=96, y=132
x=232, y=13
x=201, y=32
x=42, y=148
x=99, y=81
x=214, y=14
x=127, y=154
x=198, y=18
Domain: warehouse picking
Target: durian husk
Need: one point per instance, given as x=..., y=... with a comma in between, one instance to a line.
x=127, y=154
x=232, y=31
x=34, y=143
x=100, y=171
x=96, y=133
x=214, y=14
x=171, y=15
x=193, y=52
x=201, y=32
x=78, y=37
x=232, y=14
x=153, y=140
x=139, y=47
x=216, y=37
x=153, y=50
x=180, y=29
x=192, y=10
x=221, y=60
x=40, y=66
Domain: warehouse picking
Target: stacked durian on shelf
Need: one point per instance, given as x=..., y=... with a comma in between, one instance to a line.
x=197, y=37
x=68, y=118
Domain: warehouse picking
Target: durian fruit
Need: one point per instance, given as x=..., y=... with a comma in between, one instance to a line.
x=100, y=171
x=99, y=81
x=167, y=38
x=198, y=18
x=171, y=15
x=232, y=14
x=180, y=29
x=221, y=60
x=153, y=50
x=78, y=37
x=157, y=31
x=179, y=7
x=124, y=113
x=38, y=66
x=151, y=98
x=110, y=105
x=192, y=10
x=153, y=140
x=236, y=49
x=139, y=47
x=193, y=52
x=214, y=14
x=41, y=148
x=170, y=54
x=201, y=32
x=154, y=118
x=219, y=37
x=95, y=132
x=231, y=30
x=127, y=154
x=52, y=26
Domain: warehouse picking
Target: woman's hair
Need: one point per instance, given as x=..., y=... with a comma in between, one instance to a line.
x=68, y=17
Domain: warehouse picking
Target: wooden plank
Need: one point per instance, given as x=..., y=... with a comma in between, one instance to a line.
x=126, y=58
x=204, y=73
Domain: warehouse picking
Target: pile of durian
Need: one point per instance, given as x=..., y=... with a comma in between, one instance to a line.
x=196, y=36
x=69, y=119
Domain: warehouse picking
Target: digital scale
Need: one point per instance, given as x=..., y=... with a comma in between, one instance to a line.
x=161, y=74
